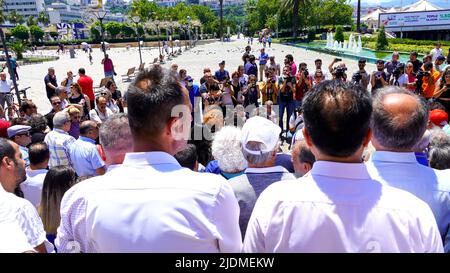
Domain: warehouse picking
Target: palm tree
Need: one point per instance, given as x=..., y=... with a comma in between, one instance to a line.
x=358, y=17
x=43, y=18
x=221, y=20
x=2, y=8
x=31, y=21
x=286, y=5
x=15, y=18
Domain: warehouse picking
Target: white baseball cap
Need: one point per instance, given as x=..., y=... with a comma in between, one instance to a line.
x=262, y=130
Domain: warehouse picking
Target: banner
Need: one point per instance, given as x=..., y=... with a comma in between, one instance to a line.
x=415, y=19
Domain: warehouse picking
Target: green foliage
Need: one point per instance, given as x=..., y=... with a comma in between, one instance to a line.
x=382, y=42
x=36, y=32
x=54, y=34
x=43, y=18
x=18, y=47
x=145, y=9
x=20, y=32
x=128, y=31
x=311, y=35
x=2, y=8
x=339, y=36
x=95, y=33
x=113, y=28
x=15, y=18
x=31, y=21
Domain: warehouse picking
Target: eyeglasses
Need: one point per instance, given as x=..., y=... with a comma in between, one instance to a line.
x=103, y=93
x=24, y=134
x=56, y=103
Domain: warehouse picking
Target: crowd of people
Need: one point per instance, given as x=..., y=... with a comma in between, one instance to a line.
x=267, y=158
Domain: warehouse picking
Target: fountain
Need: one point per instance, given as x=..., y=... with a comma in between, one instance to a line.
x=350, y=46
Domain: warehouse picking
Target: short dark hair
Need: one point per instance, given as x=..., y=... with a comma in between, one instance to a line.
x=337, y=117
x=413, y=53
x=38, y=123
x=26, y=104
x=290, y=57
x=398, y=133
x=427, y=65
x=6, y=149
x=82, y=71
x=306, y=156
x=187, y=157
x=38, y=153
x=150, y=109
x=318, y=60
x=86, y=127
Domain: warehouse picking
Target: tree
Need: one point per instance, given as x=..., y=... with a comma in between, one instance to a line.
x=2, y=8
x=15, y=18
x=95, y=33
x=128, y=31
x=311, y=35
x=221, y=20
x=31, y=21
x=339, y=36
x=43, y=18
x=358, y=17
x=145, y=9
x=19, y=48
x=113, y=28
x=382, y=42
x=36, y=32
x=20, y=32
x=295, y=6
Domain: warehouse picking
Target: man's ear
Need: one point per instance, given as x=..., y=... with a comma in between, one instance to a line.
x=307, y=137
x=367, y=138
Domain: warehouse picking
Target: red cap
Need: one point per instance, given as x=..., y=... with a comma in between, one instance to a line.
x=439, y=117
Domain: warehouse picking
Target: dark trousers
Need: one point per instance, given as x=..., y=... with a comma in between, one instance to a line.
x=289, y=108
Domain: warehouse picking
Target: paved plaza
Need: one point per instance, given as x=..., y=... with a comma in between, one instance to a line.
x=193, y=60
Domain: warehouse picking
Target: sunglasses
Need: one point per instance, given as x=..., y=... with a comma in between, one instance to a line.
x=56, y=103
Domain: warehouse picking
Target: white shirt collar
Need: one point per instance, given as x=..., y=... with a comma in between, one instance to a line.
x=274, y=169
x=394, y=157
x=340, y=170
x=35, y=172
x=149, y=158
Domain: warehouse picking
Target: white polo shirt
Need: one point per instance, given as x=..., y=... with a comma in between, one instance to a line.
x=401, y=170
x=22, y=212
x=5, y=86
x=32, y=187
x=150, y=204
x=338, y=208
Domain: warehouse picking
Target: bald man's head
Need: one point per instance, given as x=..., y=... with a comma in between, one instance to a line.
x=399, y=119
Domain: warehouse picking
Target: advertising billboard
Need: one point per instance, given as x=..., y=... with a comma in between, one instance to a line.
x=437, y=19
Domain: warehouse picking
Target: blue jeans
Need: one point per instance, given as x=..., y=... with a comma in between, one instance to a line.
x=109, y=74
x=289, y=106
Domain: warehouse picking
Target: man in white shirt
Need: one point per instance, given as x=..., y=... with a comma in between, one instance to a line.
x=101, y=112
x=436, y=52
x=15, y=209
x=5, y=87
x=399, y=121
x=32, y=187
x=338, y=207
x=151, y=203
x=115, y=140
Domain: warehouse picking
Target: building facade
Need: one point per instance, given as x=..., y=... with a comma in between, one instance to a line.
x=25, y=7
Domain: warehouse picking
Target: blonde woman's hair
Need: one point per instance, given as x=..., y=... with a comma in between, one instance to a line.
x=57, y=181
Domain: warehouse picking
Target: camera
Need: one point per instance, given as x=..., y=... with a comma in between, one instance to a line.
x=339, y=72
x=305, y=72
x=422, y=74
x=357, y=77
x=398, y=70
x=338, y=59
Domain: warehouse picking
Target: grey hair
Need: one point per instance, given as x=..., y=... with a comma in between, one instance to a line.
x=440, y=157
x=60, y=119
x=115, y=133
x=226, y=149
x=257, y=159
x=59, y=90
x=398, y=132
x=438, y=137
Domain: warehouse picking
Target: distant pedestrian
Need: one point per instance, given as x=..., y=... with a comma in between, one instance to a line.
x=108, y=67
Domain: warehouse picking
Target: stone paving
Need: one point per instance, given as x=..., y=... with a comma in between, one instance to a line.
x=193, y=60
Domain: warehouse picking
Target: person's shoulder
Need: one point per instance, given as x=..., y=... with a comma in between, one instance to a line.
x=401, y=200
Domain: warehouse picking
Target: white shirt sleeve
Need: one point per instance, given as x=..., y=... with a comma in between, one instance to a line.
x=94, y=116
x=403, y=79
x=227, y=220
x=31, y=224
